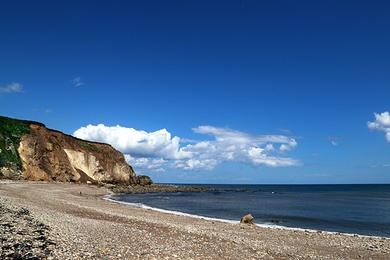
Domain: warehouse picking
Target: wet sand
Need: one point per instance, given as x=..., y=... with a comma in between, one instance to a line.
x=81, y=224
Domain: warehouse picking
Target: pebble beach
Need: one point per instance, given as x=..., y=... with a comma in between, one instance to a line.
x=74, y=221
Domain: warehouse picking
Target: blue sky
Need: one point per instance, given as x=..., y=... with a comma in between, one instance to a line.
x=312, y=72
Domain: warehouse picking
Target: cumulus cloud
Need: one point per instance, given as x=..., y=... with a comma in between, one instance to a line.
x=137, y=143
x=381, y=123
x=76, y=82
x=159, y=150
x=12, y=88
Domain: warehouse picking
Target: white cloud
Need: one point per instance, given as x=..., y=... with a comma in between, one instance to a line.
x=159, y=150
x=11, y=88
x=192, y=164
x=258, y=157
x=334, y=143
x=384, y=165
x=334, y=140
x=284, y=148
x=146, y=163
x=269, y=147
x=381, y=123
x=137, y=143
x=232, y=145
x=76, y=82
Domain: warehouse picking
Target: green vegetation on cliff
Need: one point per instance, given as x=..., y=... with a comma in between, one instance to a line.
x=87, y=146
x=11, y=131
x=50, y=155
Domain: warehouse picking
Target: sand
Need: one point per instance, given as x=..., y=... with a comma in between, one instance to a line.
x=82, y=225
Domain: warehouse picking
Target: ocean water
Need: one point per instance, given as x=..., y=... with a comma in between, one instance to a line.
x=357, y=209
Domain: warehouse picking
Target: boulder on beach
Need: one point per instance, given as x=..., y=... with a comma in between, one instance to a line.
x=247, y=219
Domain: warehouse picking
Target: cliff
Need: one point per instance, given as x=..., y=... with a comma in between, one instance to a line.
x=29, y=150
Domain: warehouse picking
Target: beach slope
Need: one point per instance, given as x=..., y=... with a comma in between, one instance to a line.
x=81, y=224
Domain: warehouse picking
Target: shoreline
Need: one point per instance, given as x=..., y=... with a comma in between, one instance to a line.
x=83, y=225
x=229, y=221
x=154, y=188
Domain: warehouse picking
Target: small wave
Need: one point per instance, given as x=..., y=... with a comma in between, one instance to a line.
x=178, y=213
x=263, y=225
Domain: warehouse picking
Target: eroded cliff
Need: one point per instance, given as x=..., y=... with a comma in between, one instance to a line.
x=29, y=150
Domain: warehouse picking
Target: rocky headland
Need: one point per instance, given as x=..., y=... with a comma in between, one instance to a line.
x=31, y=151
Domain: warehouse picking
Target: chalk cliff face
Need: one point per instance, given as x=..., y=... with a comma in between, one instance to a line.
x=49, y=155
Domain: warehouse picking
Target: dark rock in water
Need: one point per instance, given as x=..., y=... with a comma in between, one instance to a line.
x=144, y=180
x=157, y=188
x=275, y=221
x=247, y=219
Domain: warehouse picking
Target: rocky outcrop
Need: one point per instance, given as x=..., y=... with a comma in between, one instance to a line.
x=144, y=180
x=157, y=188
x=49, y=155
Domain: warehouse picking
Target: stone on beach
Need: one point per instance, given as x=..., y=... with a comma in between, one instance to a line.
x=247, y=219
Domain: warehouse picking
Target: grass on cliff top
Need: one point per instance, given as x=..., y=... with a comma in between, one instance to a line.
x=11, y=131
x=88, y=146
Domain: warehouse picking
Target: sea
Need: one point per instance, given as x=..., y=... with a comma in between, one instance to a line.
x=353, y=209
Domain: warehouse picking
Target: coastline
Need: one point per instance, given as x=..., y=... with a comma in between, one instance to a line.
x=83, y=224
x=262, y=225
